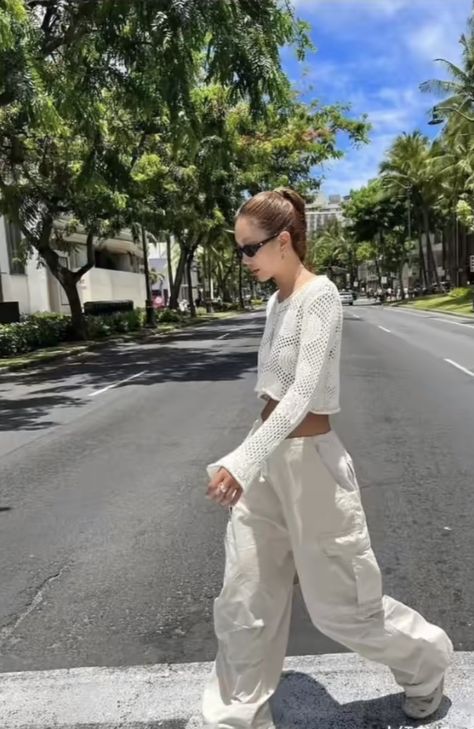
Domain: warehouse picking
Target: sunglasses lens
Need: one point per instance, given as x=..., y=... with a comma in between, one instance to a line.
x=250, y=251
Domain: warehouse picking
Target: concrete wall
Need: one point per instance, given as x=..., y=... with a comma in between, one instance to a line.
x=101, y=284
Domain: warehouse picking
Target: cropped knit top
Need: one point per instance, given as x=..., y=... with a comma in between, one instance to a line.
x=298, y=365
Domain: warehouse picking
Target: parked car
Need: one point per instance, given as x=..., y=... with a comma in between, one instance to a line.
x=347, y=297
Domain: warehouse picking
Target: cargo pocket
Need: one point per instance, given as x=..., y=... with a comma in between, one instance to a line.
x=354, y=567
x=337, y=461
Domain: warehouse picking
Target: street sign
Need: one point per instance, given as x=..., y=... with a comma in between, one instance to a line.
x=471, y=264
x=384, y=279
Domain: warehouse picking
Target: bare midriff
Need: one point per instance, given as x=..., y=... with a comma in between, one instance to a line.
x=313, y=423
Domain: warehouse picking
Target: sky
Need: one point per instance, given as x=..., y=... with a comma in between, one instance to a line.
x=373, y=54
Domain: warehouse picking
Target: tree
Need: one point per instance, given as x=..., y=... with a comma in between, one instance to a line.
x=407, y=172
x=83, y=86
x=378, y=224
x=334, y=247
x=459, y=91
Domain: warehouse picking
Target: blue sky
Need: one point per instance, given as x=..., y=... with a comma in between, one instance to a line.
x=374, y=54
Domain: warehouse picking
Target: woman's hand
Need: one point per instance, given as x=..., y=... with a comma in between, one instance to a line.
x=224, y=489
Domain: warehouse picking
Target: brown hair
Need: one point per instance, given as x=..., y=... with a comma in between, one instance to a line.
x=279, y=210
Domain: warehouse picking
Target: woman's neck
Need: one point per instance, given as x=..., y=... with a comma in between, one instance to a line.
x=290, y=283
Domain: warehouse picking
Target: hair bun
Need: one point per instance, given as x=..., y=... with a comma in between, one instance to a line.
x=294, y=198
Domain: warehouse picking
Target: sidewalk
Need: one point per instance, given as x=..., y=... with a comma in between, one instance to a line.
x=340, y=691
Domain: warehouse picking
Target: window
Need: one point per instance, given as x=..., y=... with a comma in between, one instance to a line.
x=14, y=248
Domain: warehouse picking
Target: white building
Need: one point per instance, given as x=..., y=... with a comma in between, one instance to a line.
x=323, y=211
x=158, y=261
x=118, y=272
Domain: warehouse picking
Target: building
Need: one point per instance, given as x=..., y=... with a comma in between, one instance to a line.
x=323, y=211
x=118, y=271
x=158, y=263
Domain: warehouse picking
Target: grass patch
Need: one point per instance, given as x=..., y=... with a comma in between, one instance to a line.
x=458, y=301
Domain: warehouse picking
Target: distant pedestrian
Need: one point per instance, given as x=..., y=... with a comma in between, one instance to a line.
x=295, y=502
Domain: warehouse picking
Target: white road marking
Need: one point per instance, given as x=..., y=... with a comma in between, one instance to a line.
x=460, y=367
x=408, y=313
x=451, y=321
x=116, y=384
x=385, y=330
x=448, y=319
x=223, y=336
x=354, y=316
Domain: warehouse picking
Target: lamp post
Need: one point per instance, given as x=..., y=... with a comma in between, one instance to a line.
x=437, y=118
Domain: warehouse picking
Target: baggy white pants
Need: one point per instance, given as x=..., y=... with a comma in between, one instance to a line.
x=304, y=511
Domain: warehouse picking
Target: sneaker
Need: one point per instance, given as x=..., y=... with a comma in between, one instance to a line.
x=420, y=707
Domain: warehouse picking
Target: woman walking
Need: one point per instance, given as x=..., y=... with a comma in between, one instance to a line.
x=295, y=502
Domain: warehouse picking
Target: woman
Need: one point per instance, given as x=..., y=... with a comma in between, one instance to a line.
x=295, y=503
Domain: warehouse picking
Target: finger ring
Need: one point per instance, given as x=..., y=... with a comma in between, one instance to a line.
x=222, y=488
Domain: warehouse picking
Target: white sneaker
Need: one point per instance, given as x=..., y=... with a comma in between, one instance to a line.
x=420, y=707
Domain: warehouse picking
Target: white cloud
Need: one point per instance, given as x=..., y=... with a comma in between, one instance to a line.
x=357, y=168
x=386, y=8
x=386, y=49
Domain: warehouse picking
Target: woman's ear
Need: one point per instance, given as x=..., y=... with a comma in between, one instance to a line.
x=285, y=243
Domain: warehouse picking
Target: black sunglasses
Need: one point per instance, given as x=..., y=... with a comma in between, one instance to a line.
x=251, y=249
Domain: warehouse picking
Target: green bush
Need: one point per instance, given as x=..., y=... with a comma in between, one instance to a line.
x=169, y=316
x=121, y=322
x=461, y=294
x=38, y=330
x=47, y=330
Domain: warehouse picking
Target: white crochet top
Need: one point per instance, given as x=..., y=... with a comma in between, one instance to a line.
x=298, y=365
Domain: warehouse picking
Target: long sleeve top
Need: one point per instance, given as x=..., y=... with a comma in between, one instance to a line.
x=298, y=365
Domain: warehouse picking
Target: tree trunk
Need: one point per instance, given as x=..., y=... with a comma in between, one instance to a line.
x=68, y=279
x=432, y=267
x=178, y=278
x=169, y=263
x=78, y=323
x=189, y=263
x=422, y=264
x=463, y=275
x=400, y=275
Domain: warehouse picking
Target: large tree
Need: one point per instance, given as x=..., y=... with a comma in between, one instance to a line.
x=407, y=173
x=83, y=84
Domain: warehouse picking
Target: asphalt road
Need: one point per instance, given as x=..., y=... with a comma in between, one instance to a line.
x=109, y=553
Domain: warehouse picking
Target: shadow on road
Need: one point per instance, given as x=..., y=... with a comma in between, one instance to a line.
x=28, y=398
x=301, y=702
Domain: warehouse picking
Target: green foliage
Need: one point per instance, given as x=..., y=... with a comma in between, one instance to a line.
x=167, y=316
x=48, y=330
x=40, y=330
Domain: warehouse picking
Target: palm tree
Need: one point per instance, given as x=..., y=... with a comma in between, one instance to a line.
x=407, y=171
x=453, y=165
x=459, y=91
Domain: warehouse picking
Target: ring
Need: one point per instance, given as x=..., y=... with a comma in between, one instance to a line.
x=222, y=489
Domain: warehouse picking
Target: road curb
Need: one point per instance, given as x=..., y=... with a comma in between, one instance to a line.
x=431, y=311
x=335, y=690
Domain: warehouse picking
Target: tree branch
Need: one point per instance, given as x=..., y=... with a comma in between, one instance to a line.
x=90, y=257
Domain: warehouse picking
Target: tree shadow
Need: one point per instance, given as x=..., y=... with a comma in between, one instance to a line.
x=303, y=703
x=67, y=384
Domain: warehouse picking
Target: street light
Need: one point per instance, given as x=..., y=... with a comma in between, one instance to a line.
x=437, y=118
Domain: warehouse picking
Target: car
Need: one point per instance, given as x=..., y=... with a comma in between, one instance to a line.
x=347, y=297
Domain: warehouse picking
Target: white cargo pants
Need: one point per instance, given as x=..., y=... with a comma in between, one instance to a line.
x=304, y=511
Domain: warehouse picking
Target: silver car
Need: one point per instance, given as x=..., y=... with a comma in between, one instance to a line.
x=347, y=298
